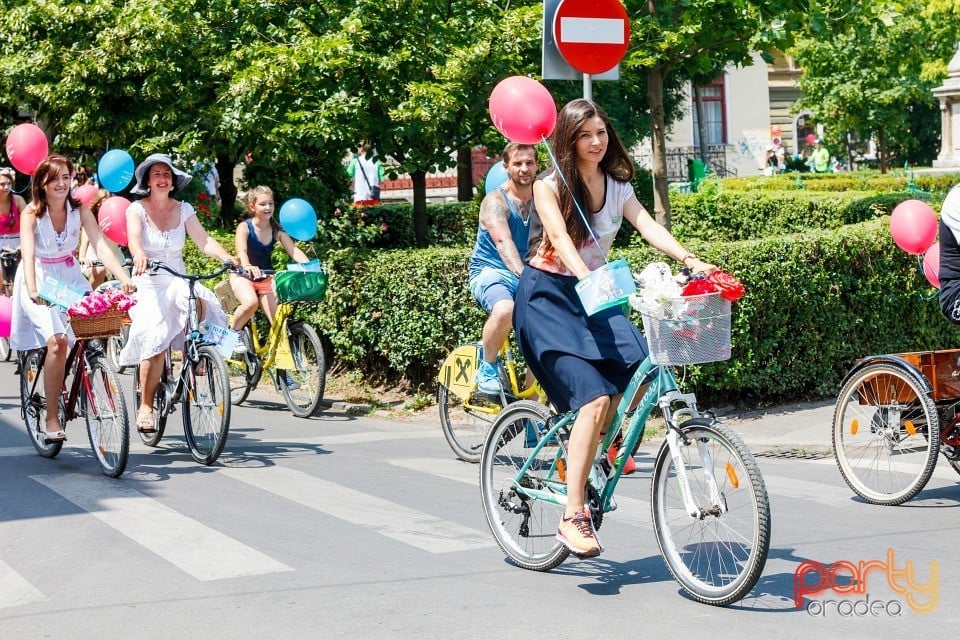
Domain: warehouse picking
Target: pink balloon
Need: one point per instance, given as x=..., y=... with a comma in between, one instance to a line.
x=113, y=219
x=931, y=265
x=913, y=225
x=85, y=193
x=522, y=110
x=775, y=130
x=6, y=314
x=26, y=147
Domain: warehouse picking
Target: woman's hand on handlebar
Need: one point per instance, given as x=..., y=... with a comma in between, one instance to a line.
x=252, y=271
x=696, y=265
x=140, y=264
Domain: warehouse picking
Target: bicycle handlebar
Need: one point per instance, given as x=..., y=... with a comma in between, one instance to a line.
x=155, y=265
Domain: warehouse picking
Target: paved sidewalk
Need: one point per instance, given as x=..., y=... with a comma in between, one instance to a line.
x=802, y=426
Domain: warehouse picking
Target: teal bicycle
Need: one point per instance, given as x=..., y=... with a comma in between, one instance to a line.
x=711, y=515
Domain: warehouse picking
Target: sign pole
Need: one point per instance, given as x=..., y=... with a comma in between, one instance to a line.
x=587, y=87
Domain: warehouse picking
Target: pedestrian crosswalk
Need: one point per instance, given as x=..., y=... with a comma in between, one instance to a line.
x=203, y=551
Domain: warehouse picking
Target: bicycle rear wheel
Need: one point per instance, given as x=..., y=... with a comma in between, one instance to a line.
x=309, y=375
x=465, y=429
x=885, y=434
x=115, y=344
x=33, y=403
x=160, y=409
x=206, y=406
x=718, y=554
x=6, y=353
x=242, y=369
x=108, y=423
x=524, y=528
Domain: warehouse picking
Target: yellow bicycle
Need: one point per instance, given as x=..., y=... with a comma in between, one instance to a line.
x=465, y=413
x=292, y=351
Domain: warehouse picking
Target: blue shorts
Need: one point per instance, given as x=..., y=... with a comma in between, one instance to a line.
x=493, y=285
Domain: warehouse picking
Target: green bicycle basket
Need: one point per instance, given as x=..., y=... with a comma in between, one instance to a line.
x=294, y=286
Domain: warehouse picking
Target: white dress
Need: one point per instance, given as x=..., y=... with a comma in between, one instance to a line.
x=160, y=317
x=33, y=324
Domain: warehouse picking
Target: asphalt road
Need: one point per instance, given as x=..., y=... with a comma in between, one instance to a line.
x=341, y=526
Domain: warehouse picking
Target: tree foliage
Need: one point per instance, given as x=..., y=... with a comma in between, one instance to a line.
x=874, y=78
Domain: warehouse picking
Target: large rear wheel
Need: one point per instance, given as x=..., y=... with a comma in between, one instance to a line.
x=33, y=403
x=465, y=424
x=886, y=434
x=524, y=527
x=160, y=409
x=243, y=369
x=206, y=406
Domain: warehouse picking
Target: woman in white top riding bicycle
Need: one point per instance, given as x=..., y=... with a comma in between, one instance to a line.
x=583, y=362
x=49, y=234
x=157, y=227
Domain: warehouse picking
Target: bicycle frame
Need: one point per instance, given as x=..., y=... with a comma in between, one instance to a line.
x=515, y=391
x=662, y=391
x=267, y=352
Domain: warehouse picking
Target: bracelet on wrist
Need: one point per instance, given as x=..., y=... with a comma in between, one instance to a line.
x=686, y=257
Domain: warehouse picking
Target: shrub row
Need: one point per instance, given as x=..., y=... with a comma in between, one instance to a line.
x=898, y=180
x=731, y=215
x=816, y=302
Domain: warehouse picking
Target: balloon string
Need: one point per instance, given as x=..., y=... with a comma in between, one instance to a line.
x=924, y=273
x=583, y=217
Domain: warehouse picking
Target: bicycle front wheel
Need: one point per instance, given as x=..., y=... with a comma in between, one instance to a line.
x=206, y=406
x=885, y=434
x=465, y=428
x=718, y=553
x=525, y=528
x=303, y=386
x=241, y=369
x=33, y=403
x=108, y=423
x=115, y=345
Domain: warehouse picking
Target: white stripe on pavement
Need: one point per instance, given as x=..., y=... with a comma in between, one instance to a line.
x=633, y=511
x=14, y=590
x=591, y=30
x=202, y=552
x=409, y=526
x=346, y=438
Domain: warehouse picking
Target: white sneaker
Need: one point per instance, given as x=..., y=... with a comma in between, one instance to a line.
x=240, y=349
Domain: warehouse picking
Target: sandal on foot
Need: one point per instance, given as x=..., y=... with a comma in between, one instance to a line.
x=145, y=422
x=54, y=436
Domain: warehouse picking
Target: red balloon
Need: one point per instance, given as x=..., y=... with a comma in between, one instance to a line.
x=113, y=219
x=913, y=225
x=85, y=193
x=931, y=265
x=26, y=147
x=522, y=110
x=775, y=131
x=811, y=139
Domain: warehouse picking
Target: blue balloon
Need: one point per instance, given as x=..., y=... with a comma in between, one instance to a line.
x=115, y=170
x=298, y=219
x=496, y=176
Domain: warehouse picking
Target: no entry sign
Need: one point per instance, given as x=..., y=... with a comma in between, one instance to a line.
x=591, y=35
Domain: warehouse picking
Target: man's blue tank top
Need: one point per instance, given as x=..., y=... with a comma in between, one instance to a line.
x=258, y=252
x=485, y=252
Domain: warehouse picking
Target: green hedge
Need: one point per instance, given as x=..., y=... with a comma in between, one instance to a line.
x=745, y=215
x=816, y=302
x=897, y=180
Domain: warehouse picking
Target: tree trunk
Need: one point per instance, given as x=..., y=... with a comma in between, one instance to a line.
x=661, y=195
x=228, y=190
x=464, y=174
x=701, y=125
x=419, y=178
x=882, y=150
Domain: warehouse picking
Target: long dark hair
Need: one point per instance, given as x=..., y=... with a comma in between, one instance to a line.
x=47, y=171
x=616, y=163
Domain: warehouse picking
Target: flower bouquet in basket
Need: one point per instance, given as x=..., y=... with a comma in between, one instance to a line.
x=100, y=314
x=686, y=325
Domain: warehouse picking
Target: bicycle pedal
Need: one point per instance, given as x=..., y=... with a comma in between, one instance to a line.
x=612, y=506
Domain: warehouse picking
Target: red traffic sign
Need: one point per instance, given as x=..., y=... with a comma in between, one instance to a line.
x=591, y=35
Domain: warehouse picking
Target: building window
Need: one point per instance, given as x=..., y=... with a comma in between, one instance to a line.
x=714, y=113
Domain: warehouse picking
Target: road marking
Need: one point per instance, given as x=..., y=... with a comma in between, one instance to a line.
x=13, y=452
x=14, y=590
x=943, y=470
x=346, y=438
x=409, y=526
x=633, y=511
x=202, y=552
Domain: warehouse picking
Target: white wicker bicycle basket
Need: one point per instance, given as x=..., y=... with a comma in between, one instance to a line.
x=700, y=332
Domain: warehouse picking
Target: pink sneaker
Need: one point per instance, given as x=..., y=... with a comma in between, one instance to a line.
x=578, y=535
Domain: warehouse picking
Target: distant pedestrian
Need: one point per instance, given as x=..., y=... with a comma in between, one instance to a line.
x=367, y=173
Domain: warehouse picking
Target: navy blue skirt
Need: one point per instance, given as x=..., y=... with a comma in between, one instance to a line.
x=575, y=357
